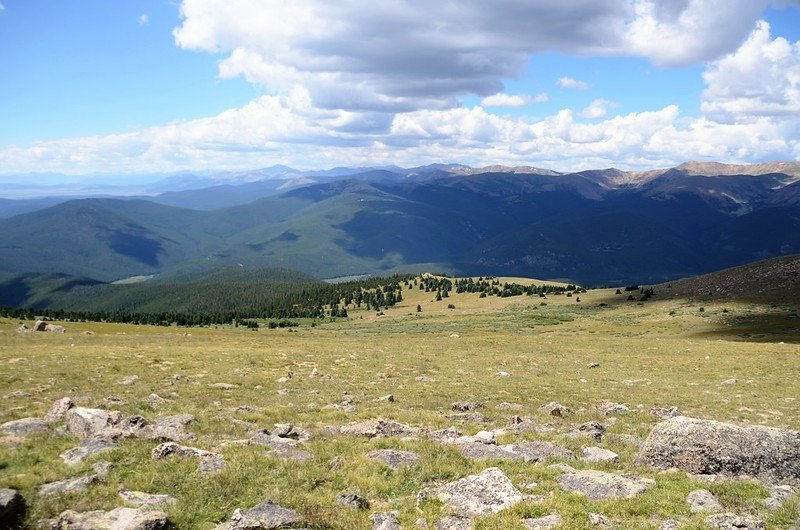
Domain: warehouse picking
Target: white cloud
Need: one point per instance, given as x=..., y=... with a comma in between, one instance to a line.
x=513, y=100
x=568, y=82
x=144, y=19
x=2, y=6
x=596, y=109
x=408, y=54
x=762, y=78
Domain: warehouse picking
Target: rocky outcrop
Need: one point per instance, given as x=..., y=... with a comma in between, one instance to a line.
x=490, y=491
x=715, y=448
x=24, y=427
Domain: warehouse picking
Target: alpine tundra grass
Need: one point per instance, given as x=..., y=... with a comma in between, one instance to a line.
x=513, y=355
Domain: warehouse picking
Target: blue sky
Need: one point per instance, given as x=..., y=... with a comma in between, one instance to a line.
x=143, y=86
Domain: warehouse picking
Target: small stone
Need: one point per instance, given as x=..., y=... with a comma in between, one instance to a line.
x=555, y=409
x=223, y=386
x=17, y=394
x=731, y=381
x=378, y=428
x=455, y=523
x=732, y=521
x=542, y=523
x=465, y=406
x=608, y=408
x=385, y=521
x=352, y=500
x=502, y=374
x=128, y=380
x=778, y=495
x=481, y=451
x=598, y=520
x=593, y=365
x=563, y=468
x=595, y=429
x=538, y=451
x=388, y=398
x=703, y=501
x=266, y=515
x=664, y=413
x=70, y=485
x=154, y=400
x=598, y=454
x=669, y=524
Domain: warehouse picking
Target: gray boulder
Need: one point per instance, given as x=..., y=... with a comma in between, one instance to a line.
x=24, y=427
x=86, y=423
x=779, y=495
x=597, y=485
x=703, y=501
x=378, y=428
x=555, y=409
x=70, y=485
x=210, y=462
x=146, y=501
x=716, y=448
x=394, y=458
x=490, y=491
x=542, y=523
x=351, y=500
x=266, y=516
x=86, y=449
x=599, y=454
x=59, y=409
x=116, y=519
x=732, y=521
x=538, y=451
x=482, y=451
x=12, y=508
x=455, y=523
x=385, y=521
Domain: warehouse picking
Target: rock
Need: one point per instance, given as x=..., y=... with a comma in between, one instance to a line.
x=284, y=448
x=128, y=380
x=778, y=495
x=490, y=491
x=555, y=409
x=465, y=406
x=501, y=373
x=593, y=365
x=703, y=501
x=39, y=325
x=608, y=408
x=664, y=413
x=595, y=429
x=85, y=422
x=209, y=462
x=266, y=515
x=146, y=501
x=44, y=326
x=560, y=466
x=473, y=417
x=597, y=485
x=598, y=454
x=12, y=508
x=154, y=400
x=352, y=500
x=378, y=428
x=455, y=523
x=731, y=521
x=486, y=437
x=731, y=381
x=102, y=467
x=24, y=427
x=395, y=458
x=70, y=485
x=542, y=523
x=86, y=449
x=669, y=524
x=169, y=428
x=482, y=451
x=59, y=410
x=712, y=447
x=449, y=434
x=388, y=398
x=385, y=521
x=17, y=394
x=116, y=519
x=598, y=520
x=23, y=329
x=223, y=386
x=538, y=451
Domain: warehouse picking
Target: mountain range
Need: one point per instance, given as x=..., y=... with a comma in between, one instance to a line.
x=593, y=227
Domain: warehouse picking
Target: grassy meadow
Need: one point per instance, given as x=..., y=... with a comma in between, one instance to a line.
x=513, y=354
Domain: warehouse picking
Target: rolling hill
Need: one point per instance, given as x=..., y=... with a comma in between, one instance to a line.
x=593, y=227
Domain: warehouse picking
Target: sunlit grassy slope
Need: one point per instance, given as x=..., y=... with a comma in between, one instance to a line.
x=657, y=353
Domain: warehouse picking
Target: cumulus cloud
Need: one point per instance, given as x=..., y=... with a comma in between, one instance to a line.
x=408, y=54
x=596, y=109
x=144, y=19
x=568, y=82
x=762, y=78
x=513, y=100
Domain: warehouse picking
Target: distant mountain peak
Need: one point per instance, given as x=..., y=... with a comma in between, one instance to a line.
x=694, y=167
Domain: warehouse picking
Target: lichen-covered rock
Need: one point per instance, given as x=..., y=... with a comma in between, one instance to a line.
x=59, y=409
x=70, y=485
x=703, y=501
x=732, y=521
x=597, y=485
x=210, y=462
x=12, y=508
x=394, y=458
x=455, y=523
x=599, y=454
x=555, y=409
x=24, y=427
x=146, y=501
x=86, y=423
x=385, y=521
x=352, y=500
x=87, y=448
x=713, y=447
x=542, y=523
x=116, y=519
x=490, y=491
x=538, y=451
x=779, y=495
x=378, y=428
x=265, y=516
x=482, y=451
x=608, y=408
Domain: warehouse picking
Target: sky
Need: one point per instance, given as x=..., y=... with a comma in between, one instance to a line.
x=99, y=87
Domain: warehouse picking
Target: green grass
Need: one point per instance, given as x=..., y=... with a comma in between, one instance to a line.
x=647, y=357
